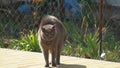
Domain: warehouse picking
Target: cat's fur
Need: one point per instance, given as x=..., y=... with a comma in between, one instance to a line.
x=51, y=35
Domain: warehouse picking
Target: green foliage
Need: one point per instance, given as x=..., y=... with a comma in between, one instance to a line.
x=112, y=49
x=80, y=38
x=87, y=14
x=79, y=50
x=2, y=43
x=73, y=34
x=92, y=43
x=78, y=45
x=113, y=55
x=26, y=42
x=68, y=50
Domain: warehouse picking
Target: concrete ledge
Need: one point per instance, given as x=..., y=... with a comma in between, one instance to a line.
x=21, y=59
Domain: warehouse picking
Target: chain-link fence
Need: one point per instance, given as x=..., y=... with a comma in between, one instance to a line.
x=18, y=15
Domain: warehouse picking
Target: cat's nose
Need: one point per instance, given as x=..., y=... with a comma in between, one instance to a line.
x=49, y=30
x=49, y=36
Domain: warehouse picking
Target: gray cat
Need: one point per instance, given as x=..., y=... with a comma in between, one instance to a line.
x=51, y=35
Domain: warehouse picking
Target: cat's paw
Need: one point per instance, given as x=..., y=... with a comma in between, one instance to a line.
x=54, y=65
x=46, y=66
x=58, y=63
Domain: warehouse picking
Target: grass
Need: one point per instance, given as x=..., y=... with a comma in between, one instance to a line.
x=88, y=46
x=112, y=49
x=77, y=45
x=92, y=43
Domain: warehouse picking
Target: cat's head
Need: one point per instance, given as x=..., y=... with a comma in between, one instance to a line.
x=49, y=32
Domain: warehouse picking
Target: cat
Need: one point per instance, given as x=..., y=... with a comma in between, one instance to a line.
x=51, y=36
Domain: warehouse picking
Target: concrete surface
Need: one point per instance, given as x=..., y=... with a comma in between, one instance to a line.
x=21, y=59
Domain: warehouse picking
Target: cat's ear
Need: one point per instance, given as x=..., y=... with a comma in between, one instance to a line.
x=53, y=26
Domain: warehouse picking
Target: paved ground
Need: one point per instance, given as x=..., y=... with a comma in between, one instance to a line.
x=21, y=59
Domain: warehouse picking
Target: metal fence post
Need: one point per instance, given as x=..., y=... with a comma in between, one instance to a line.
x=100, y=25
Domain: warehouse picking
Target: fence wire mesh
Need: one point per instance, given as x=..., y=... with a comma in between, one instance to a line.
x=26, y=14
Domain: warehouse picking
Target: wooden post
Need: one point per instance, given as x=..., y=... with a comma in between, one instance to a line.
x=62, y=9
x=100, y=25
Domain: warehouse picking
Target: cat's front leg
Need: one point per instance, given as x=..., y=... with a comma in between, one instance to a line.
x=53, y=52
x=58, y=57
x=46, y=57
x=58, y=54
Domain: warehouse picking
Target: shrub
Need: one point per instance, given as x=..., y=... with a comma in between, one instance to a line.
x=26, y=42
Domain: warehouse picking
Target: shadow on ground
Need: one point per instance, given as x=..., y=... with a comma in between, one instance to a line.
x=71, y=66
